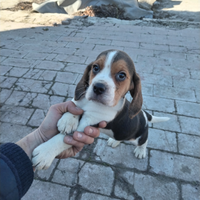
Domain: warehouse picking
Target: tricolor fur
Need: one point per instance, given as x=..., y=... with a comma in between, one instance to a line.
x=101, y=94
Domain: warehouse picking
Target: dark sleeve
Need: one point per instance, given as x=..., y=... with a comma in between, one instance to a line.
x=16, y=172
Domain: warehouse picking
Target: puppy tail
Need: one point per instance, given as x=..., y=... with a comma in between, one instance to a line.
x=155, y=119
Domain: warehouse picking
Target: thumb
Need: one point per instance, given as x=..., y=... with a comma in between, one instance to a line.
x=72, y=108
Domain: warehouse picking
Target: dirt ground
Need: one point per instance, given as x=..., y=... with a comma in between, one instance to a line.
x=186, y=10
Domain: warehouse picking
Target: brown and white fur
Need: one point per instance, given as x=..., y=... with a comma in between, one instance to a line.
x=101, y=94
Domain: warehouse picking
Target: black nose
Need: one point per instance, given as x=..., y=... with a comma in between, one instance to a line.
x=99, y=88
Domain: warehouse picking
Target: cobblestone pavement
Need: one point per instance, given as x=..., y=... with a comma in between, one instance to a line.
x=40, y=66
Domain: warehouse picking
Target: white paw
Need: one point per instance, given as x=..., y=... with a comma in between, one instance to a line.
x=113, y=143
x=140, y=152
x=68, y=123
x=42, y=157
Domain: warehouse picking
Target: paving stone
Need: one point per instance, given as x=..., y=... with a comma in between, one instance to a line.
x=175, y=93
x=188, y=108
x=15, y=115
x=17, y=72
x=71, y=58
x=163, y=140
x=66, y=77
x=124, y=185
x=114, y=156
x=195, y=74
x=190, y=192
x=8, y=82
x=37, y=118
x=63, y=50
x=71, y=91
x=2, y=58
x=171, y=71
x=87, y=196
x=147, y=90
x=36, y=55
x=51, y=56
x=59, y=89
x=173, y=165
x=197, y=93
x=171, y=125
x=48, y=75
x=4, y=69
x=190, y=125
x=46, y=190
x=44, y=101
x=76, y=68
x=158, y=104
x=13, y=132
x=46, y=174
x=18, y=62
x=161, y=189
x=186, y=83
x=154, y=79
x=189, y=145
x=67, y=171
x=33, y=73
x=50, y=65
x=97, y=184
x=33, y=85
x=13, y=53
x=4, y=94
x=16, y=98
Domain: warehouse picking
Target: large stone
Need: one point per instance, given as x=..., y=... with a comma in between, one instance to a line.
x=190, y=192
x=46, y=190
x=175, y=166
x=115, y=156
x=67, y=171
x=149, y=187
x=189, y=144
x=96, y=178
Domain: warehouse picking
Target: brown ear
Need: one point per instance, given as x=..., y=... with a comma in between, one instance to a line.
x=83, y=84
x=136, y=93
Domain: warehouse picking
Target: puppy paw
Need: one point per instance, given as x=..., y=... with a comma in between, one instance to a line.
x=42, y=157
x=140, y=152
x=113, y=143
x=68, y=123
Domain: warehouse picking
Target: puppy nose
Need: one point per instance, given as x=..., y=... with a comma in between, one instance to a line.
x=99, y=88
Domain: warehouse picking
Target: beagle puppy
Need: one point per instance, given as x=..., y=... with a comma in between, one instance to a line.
x=101, y=94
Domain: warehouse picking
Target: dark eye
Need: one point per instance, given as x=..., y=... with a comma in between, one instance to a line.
x=121, y=76
x=96, y=69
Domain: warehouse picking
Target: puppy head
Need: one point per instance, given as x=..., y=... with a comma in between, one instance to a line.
x=109, y=78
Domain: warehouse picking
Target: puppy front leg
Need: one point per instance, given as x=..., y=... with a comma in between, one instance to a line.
x=45, y=153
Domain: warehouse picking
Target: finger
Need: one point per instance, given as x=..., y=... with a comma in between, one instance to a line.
x=69, y=153
x=92, y=131
x=69, y=140
x=72, y=108
x=81, y=137
x=102, y=124
x=68, y=106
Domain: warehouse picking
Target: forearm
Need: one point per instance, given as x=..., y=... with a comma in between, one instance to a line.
x=30, y=142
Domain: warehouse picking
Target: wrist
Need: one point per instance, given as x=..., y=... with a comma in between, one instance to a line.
x=30, y=142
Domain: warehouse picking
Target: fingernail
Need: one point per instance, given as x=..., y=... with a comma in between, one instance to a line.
x=78, y=108
x=90, y=131
x=79, y=135
x=69, y=139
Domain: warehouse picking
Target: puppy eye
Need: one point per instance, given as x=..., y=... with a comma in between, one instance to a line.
x=96, y=69
x=121, y=76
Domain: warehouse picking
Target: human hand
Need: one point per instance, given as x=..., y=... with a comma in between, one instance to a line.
x=48, y=129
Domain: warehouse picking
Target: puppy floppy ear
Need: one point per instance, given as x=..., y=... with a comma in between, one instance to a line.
x=83, y=84
x=136, y=93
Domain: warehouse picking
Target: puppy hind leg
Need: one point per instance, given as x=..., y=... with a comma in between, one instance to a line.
x=140, y=150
